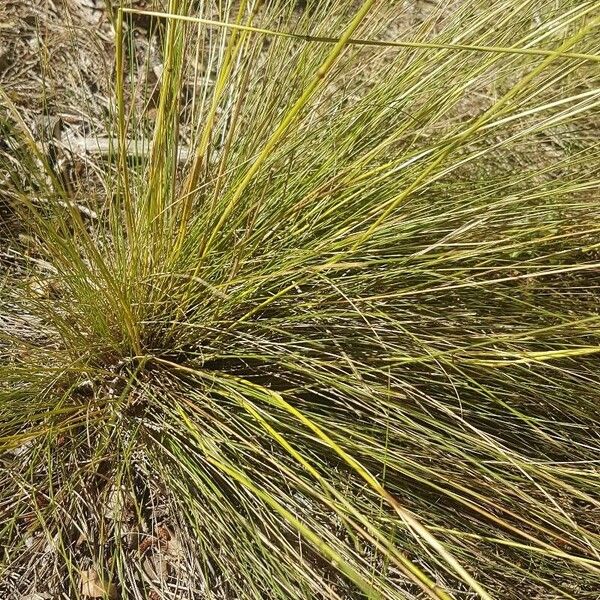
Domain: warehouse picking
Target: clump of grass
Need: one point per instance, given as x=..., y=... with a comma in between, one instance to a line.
x=348, y=347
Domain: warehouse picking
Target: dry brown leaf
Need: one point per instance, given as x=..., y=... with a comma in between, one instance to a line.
x=92, y=586
x=174, y=549
x=156, y=567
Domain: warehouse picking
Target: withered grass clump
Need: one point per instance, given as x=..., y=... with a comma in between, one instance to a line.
x=320, y=320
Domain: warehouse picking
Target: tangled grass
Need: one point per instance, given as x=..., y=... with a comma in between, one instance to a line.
x=333, y=326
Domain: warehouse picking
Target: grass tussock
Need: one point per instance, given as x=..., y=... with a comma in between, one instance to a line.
x=322, y=322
